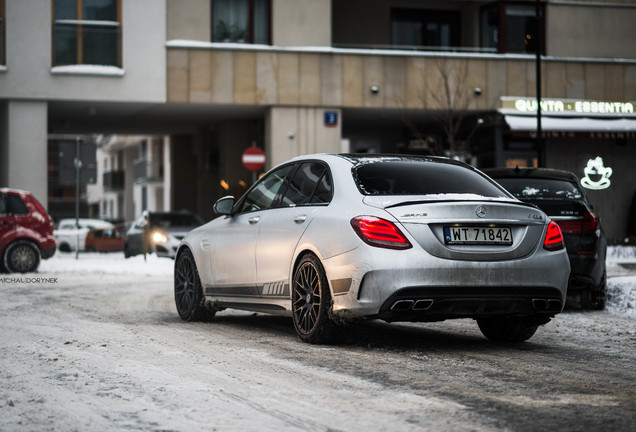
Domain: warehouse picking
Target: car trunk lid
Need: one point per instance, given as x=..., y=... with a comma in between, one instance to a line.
x=468, y=227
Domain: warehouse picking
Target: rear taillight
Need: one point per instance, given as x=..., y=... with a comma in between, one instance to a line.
x=379, y=232
x=553, y=238
x=587, y=225
x=590, y=223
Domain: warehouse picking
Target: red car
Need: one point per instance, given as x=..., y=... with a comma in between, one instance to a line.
x=26, y=232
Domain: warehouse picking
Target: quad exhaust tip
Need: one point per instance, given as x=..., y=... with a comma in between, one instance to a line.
x=419, y=305
x=547, y=304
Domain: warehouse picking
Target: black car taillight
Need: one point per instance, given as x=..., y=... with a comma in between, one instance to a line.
x=553, y=238
x=587, y=225
x=590, y=223
x=379, y=232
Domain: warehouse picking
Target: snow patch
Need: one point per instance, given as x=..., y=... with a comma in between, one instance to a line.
x=99, y=70
x=106, y=263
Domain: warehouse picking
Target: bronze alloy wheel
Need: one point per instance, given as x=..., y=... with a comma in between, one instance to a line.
x=311, y=301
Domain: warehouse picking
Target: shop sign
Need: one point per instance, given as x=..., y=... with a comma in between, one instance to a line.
x=597, y=175
x=529, y=105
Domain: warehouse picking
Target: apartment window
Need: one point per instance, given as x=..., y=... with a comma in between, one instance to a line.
x=87, y=32
x=425, y=28
x=243, y=21
x=510, y=27
x=2, y=34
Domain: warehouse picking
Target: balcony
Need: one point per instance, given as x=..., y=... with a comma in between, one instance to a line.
x=113, y=181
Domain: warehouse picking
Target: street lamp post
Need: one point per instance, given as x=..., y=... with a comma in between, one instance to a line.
x=78, y=167
x=537, y=48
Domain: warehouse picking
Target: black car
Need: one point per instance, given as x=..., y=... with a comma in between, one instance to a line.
x=159, y=232
x=560, y=195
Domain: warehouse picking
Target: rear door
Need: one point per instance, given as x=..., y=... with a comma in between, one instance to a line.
x=306, y=195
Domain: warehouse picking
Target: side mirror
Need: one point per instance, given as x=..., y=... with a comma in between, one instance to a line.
x=224, y=206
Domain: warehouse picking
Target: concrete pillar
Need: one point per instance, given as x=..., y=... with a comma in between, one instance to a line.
x=299, y=131
x=167, y=175
x=24, y=148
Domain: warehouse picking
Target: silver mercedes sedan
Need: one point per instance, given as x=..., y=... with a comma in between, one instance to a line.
x=331, y=239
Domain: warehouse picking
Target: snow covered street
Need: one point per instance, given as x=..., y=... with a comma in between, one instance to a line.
x=95, y=344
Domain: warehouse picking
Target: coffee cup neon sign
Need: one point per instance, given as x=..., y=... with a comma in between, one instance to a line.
x=596, y=175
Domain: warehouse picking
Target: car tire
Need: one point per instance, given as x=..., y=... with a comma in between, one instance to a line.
x=64, y=247
x=188, y=293
x=311, y=303
x=599, y=297
x=21, y=256
x=506, y=329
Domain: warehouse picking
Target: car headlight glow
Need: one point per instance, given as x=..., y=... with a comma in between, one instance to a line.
x=159, y=237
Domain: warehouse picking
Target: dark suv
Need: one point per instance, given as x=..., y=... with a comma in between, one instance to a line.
x=559, y=194
x=26, y=232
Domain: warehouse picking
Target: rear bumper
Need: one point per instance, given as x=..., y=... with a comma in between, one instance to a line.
x=587, y=272
x=444, y=288
x=48, y=247
x=434, y=304
x=48, y=253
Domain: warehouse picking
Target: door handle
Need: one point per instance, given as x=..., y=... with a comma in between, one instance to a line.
x=254, y=220
x=300, y=219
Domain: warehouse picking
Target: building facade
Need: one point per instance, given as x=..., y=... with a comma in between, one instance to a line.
x=455, y=78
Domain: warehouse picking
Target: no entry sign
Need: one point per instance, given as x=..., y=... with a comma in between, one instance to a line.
x=253, y=158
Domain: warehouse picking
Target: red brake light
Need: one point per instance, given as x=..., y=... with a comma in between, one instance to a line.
x=379, y=232
x=553, y=238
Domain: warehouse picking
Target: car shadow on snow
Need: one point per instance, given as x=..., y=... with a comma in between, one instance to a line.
x=375, y=334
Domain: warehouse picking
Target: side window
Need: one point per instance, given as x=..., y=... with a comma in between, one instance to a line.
x=324, y=191
x=263, y=195
x=305, y=183
x=3, y=204
x=16, y=206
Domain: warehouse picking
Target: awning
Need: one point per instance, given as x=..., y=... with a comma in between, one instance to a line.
x=578, y=124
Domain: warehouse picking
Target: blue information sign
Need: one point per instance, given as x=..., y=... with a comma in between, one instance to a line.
x=331, y=118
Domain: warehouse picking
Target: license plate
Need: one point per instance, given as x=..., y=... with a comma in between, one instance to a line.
x=475, y=235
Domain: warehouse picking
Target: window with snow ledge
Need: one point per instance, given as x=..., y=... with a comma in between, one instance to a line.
x=87, y=32
x=241, y=21
x=90, y=70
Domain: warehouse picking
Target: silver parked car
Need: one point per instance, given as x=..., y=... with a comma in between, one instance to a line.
x=159, y=232
x=334, y=238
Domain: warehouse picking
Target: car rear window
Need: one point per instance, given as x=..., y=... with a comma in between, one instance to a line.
x=422, y=177
x=536, y=189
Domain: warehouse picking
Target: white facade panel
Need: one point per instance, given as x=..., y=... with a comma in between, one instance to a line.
x=29, y=72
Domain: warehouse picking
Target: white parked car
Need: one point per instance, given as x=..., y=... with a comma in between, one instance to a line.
x=70, y=237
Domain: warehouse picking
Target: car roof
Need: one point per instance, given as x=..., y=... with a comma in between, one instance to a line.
x=96, y=223
x=18, y=191
x=539, y=173
x=363, y=158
